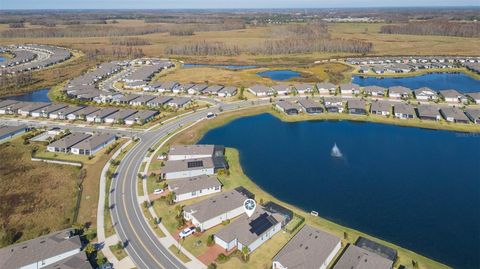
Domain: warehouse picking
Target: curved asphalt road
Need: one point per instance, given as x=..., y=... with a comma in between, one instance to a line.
x=142, y=245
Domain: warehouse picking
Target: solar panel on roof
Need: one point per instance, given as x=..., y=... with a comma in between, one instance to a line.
x=195, y=164
x=261, y=224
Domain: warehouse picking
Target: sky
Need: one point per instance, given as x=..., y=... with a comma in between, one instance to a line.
x=222, y=4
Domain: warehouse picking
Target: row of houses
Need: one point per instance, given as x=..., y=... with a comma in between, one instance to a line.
x=26, y=57
x=81, y=143
x=154, y=101
x=350, y=89
x=91, y=114
x=412, y=60
x=398, y=110
x=191, y=89
x=60, y=249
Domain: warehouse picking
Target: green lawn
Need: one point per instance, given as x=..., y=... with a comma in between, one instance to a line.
x=118, y=252
x=174, y=249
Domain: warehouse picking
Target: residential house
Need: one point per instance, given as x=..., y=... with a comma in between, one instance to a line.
x=310, y=106
x=304, y=88
x=188, y=168
x=142, y=100
x=261, y=90
x=5, y=104
x=159, y=101
x=383, y=108
x=309, y=248
x=475, y=97
x=125, y=100
x=62, y=114
x=212, y=90
x=404, y=111
x=82, y=113
x=100, y=115
x=377, y=248
x=399, y=92
x=356, y=107
x=44, y=252
x=375, y=91
x=212, y=211
x=282, y=89
x=93, y=144
x=179, y=102
x=287, y=107
x=65, y=144
x=356, y=257
x=349, y=89
x=46, y=111
x=197, y=88
x=326, y=88
x=333, y=104
x=425, y=94
x=428, y=112
x=250, y=232
x=13, y=108
x=453, y=96
x=473, y=115
x=454, y=114
x=182, y=88
x=120, y=116
x=187, y=152
x=227, y=91
x=193, y=187
x=7, y=132
x=141, y=117
x=31, y=107
x=167, y=86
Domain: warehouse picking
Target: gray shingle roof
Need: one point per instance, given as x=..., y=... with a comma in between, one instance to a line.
x=308, y=249
x=399, y=90
x=381, y=106
x=190, y=184
x=77, y=261
x=308, y=103
x=191, y=149
x=216, y=205
x=94, y=141
x=69, y=140
x=405, y=109
x=37, y=249
x=183, y=165
x=358, y=258
x=5, y=130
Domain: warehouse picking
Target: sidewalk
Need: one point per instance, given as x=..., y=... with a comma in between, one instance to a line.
x=125, y=263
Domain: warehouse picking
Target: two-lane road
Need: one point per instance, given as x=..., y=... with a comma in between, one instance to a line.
x=142, y=245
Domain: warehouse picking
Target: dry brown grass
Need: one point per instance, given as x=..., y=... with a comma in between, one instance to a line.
x=36, y=198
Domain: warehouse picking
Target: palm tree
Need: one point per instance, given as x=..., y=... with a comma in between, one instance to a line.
x=245, y=252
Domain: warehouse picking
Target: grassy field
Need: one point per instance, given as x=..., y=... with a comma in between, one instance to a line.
x=261, y=258
x=36, y=197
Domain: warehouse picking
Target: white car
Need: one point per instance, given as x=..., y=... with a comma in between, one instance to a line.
x=211, y=115
x=186, y=232
x=158, y=191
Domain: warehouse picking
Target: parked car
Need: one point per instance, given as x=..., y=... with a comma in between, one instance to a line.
x=186, y=232
x=158, y=191
x=211, y=115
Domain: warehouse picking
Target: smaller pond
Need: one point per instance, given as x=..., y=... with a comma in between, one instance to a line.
x=279, y=74
x=232, y=67
x=35, y=96
x=436, y=81
x=2, y=59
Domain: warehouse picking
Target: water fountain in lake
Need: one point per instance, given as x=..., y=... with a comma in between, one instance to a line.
x=336, y=151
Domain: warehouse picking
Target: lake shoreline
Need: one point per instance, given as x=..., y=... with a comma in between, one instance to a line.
x=196, y=133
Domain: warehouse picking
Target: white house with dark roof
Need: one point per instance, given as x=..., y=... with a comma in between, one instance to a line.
x=227, y=91
x=381, y=108
x=310, y=248
x=453, y=96
x=287, y=107
x=93, y=144
x=41, y=252
x=282, y=89
x=333, y=104
x=404, y=111
x=425, y=94
x=349, y=89
x=66, y=143
x=375, y=91
x=454, y=114
x=193, y=187
x=399, y=92
x=187, y=152
x=212, y=211
x=428, y=112
x=249, y=232
x=261, y=90
x=304, y=88
x=188, y=168
x=326, y=88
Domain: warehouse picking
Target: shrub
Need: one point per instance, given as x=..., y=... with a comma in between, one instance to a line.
x=210, y=240
x=222, y=258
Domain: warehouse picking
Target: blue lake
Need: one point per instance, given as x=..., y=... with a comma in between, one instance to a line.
x=436, y=81
x=233, y=67
x=35, y=96
x=414, y=187
x=279, y=74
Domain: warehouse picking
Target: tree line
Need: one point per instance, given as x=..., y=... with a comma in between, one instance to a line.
x=130, y=41
x=434, y=27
